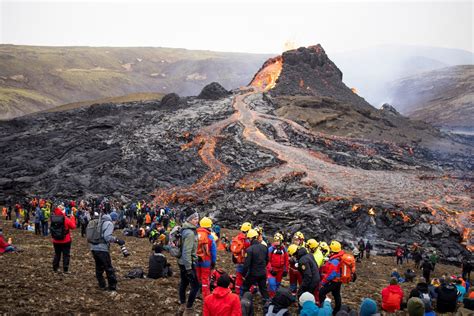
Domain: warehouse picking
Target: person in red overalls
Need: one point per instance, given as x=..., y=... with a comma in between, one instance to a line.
x=207, y=254
x=239, y=244
x=295, y=275
x=277, y=267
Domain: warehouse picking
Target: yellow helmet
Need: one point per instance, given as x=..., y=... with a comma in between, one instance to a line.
x=246, y=227
x=324, y=245
x=252, y=233
x=205, y=222
x=298, y=235
x=259, y=229
x=292, y=249
x=278, y=237
x=312, y=244
x=335, y=246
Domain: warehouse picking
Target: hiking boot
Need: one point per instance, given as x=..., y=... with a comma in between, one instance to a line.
x=181, y=309
x=189, y=311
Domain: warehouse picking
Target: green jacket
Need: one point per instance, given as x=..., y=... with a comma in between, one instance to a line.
x=189, y=243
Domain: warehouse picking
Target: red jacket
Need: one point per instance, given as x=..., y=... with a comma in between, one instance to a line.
x=277, y=258
x=392, y=297
x=3, y=244
x=69, y=223
x=330, y=271
x=222, y=302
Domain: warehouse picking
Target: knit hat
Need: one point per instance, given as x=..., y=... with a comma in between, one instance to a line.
x=368, y=307
x=191, y=214
x=223, y=280
x=158, y=248
x=416, y=307
x=306, y=296
x=393, y=281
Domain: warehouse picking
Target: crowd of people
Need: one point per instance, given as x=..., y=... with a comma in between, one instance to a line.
x=314, y=268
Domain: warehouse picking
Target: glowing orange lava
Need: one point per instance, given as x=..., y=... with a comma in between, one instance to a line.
x=266, y=78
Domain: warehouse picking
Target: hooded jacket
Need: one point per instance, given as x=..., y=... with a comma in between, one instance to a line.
x=447, y=298
x=330, y=270
x=69, y=223
x=222, y=302
x=256, y=260
x=282, y=300
x=309, y=271
x=189, y=246
x=3, y=244
x=311, y=309
x=107, y=231
x=392, y=297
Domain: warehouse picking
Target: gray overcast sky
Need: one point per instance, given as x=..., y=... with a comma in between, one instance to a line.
x=244, y=26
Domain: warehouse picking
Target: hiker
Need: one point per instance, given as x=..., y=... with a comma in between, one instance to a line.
x=255, y=266
x=392, y=297
x=158, y=266
x=466, y=268
x=309, y=307
x=314, y=247
x=61, y=236
x=368, y=249
x=100, y=246
x=280, y=303
x=356, y=253
x=309, y=271
x=330, y=281
x=399, y=254
x=207, y=255
x=434, y=259
x=5, y=246
x=368, y=307
x=397, y=275
x=426, y=267
x=416, y=307
x=187, y=264
x=461, y=289
x=84, y=220
x=45, y=215
x=277, y=264
x=422, y=291
x=222, y=301
x=38, y=221
x=447, y=297
x=361, y=246
x=238, y=246
x=406, y=252
x=295, y=276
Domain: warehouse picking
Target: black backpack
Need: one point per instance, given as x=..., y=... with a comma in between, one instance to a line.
x=58, y=229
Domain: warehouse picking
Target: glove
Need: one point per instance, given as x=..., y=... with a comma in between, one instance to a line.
x=213, y=265
x=273, y=273
x=285, y=273
x=120, y=242
x=328, y=300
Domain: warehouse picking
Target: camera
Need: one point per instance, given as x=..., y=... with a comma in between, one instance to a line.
x=125, y=251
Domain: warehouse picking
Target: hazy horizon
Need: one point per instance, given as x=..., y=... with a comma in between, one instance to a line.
x=246, y=27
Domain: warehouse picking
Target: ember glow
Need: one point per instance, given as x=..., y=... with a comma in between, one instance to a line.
x=266, y=78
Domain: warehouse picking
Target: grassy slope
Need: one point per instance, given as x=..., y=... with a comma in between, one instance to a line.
x=63, y=75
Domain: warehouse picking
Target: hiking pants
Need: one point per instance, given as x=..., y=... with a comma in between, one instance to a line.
x=295, y=279
x=399, y=260
x=185, y=281
x=262, y=286
x=335, y=289
x=274, y=281
x=103, y=262
x=65, y=250
x=37, y=228
x=204, y=277
x=44, y=228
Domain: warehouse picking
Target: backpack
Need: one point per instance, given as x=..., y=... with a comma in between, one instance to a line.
x=425, y=296
x=94, y=233
x=237, y=248
x=175, y=241
x=135, y=273
x=348, y=268
x=203, y=244
x=270, y=312
x=58, y=229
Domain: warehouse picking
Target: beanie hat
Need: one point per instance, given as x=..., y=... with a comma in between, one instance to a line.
x=158, y=248
x=368, y=307
x=305, y=297
x=223, y=280
x=416, y=307
x=393, y=281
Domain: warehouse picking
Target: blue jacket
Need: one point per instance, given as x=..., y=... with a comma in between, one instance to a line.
x=311, y=309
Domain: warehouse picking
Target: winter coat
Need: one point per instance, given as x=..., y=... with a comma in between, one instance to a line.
x=156, y=265
x=3, y=244
x=189, y=246
x=277, y=258
x=447, y=298
x=222, y=302
x=69, y=223
x=420, y=291
x=282, y=300
x=330, y=269
x=107, y=228
x=426, y=266
x=311, y=309
x=256, y=260
x=309, y=271
x=392, y=297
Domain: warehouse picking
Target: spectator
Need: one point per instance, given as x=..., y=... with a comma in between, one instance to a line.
x=392, y=297
x=368, y=307
x=416, y=307
x=309, y=307
x=222, y=301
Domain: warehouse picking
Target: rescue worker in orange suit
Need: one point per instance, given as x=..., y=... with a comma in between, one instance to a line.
x=206, y=253
x=238, y=246
x=330, y=281
x=277, y=267
x=295, y=276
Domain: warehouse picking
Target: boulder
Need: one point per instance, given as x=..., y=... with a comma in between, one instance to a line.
x=170, y=100
x=213, y=91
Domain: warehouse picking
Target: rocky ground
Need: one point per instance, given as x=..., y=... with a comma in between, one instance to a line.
x=29, y=285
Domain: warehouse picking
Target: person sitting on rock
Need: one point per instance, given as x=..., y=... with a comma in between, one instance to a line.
x=158, y=267
x=5, y=246
x=392, y=297
x=397, y=276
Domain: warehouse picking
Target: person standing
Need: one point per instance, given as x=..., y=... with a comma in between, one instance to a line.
x=309, y=271
x=277, y=264
x=434, y=259
x=330, y=282
x=206, y=253
x=100, y=251
x=238, y=246
x=45, y=215
x=427, y=267
x=61, y=237
x=255, y=266
x=368, y=249
x=399, y=255
x=187, y=265
x=295, y=276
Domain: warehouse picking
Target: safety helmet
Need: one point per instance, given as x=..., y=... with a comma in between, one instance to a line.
x=298, y=235
x=324, y=245
x=205, y=222
x=312, y=244
x=252, y=233
x=335, y=246
x=246, y=227
x=259, y=229
x=278, y=237
x=292, y=249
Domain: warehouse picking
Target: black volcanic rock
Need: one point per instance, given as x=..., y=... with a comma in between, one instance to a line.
x=213, y=91
x=309, y=71
x=387, y=108
x=170, y=100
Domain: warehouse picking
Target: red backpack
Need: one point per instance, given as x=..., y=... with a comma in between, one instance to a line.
x=347, y=267
x=237, y=247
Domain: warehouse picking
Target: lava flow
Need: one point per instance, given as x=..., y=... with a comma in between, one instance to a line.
x=266, y=78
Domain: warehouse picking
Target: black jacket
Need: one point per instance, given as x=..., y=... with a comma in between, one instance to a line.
x=309, y=270
x=447, y=298
x=421, y=288
x=256, y=259
x=426, y=266
x=282, y=300
x=156, y=266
